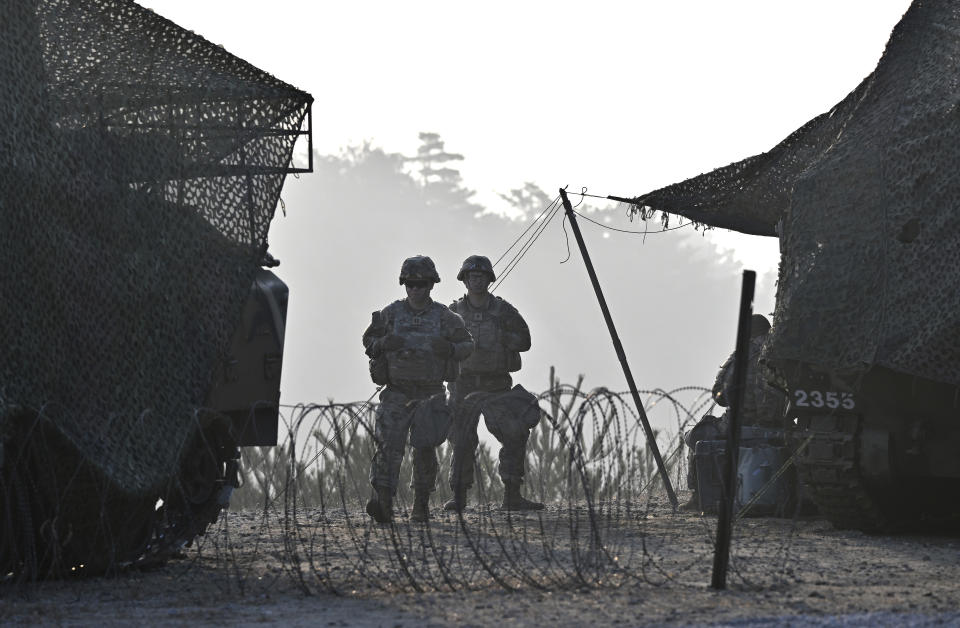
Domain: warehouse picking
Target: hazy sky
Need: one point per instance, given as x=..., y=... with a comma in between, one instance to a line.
x=621, y=97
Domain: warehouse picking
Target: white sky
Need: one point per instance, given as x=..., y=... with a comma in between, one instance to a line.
x=621, y=97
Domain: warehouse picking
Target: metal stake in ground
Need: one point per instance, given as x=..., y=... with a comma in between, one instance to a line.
x=651, y=440
x=721, y=554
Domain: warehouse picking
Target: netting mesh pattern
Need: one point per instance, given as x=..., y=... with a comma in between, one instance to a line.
x=866, y=196
x=142, y=166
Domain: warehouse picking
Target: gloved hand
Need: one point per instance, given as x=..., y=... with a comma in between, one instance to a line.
x=513, y=342
x=441, y=347
x=391, y=342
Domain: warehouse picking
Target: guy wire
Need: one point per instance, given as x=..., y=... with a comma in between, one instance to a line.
x=530, y=226
x=623, y=201
x=599, y=224
x=528, y=244
x=554, y=208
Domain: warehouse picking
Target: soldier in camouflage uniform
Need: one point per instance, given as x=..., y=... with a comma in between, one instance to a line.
x=415, y=344
x=500, y=334
x=762, y=406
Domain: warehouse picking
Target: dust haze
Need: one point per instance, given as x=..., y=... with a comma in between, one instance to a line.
x=348, y=226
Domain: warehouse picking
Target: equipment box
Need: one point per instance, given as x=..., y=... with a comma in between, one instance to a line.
x=759, y=462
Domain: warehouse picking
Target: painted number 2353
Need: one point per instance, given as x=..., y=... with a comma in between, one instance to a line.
x=828, y=399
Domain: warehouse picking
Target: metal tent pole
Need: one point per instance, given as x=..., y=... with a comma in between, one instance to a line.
x=721, y=554
x=618, y=347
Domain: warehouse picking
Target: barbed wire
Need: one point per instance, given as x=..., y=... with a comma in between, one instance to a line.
x=299, y=518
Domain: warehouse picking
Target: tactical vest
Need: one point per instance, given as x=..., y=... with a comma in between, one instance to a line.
x=486, y=326
x=416, y=361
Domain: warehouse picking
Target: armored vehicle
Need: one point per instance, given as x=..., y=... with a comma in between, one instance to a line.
x=141, y=337
x=864, y=199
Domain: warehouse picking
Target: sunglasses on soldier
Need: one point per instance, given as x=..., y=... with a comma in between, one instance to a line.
x=418, y=283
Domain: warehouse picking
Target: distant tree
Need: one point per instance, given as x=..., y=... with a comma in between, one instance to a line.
x=367, y=164
x=442, y=184
x=432, y=157
x=528, y=201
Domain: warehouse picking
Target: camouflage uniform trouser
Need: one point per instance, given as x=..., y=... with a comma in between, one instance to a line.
x=393, y=422
x=463, y=433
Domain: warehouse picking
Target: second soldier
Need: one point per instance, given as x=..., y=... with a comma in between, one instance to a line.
x=500, y=335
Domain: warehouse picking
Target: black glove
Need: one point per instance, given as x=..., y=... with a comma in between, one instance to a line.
x=442, y=348
x=391, y=342
x=513, y=342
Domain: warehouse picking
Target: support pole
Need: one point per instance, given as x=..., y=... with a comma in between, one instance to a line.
x=721, y=554
x=618, y=347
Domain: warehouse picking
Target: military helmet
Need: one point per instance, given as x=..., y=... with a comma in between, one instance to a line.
x=418, y=267
x=759, y=325
x=478, y=263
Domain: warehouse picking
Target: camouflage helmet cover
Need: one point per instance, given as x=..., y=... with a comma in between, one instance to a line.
x=759, y=325
x=417, y=268
x=479, y=263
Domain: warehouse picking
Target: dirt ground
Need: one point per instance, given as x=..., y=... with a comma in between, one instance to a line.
x=636, y=567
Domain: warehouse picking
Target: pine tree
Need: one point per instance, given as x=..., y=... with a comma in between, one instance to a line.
x=442, y=184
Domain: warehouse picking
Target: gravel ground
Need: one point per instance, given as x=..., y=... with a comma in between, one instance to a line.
x=653, y=568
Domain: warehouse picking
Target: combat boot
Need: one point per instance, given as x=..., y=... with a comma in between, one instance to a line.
x=459, y=500
x=380, y=506
x=421, y=506
x=512, y=500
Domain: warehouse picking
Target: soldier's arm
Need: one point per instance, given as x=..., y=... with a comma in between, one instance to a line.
x=516, y=333
x=459, y=337
x=724, y=381
x=462, y=343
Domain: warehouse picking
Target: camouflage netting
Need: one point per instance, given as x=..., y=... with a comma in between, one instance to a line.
x=866, y=197
x=141, y=168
